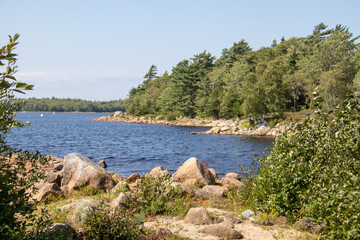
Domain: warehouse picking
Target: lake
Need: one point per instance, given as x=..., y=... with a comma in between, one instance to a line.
x=129, y=148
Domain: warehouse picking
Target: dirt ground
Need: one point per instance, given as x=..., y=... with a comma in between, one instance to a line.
x=250, y=230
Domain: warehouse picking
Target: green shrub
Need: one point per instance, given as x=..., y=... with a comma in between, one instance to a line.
x=314, y=170
x=155, y=195
x=245, y=124
x=83, y=210
x=171, y=116
x=19, y=170
x=121, y=224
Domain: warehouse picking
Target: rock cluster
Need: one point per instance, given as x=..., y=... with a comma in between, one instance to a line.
x=76, y=171
x=245, y=127
x=179, y=121
x=71, y=173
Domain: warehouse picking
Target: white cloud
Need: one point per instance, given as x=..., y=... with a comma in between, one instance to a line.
x=43, y=76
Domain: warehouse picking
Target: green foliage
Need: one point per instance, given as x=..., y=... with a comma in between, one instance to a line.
x=151, y=74
x=256, y=84
x=120, y=224
x=314, y=171
x=19, y=170
x=68, y=105
x=155, y=195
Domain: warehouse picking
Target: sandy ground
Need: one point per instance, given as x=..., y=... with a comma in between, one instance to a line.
x=250, y=230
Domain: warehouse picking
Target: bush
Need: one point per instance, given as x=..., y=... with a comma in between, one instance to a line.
x=313, y=171
x=83, y=210
x=105, y=224
x=19, y=170
x=155, y=195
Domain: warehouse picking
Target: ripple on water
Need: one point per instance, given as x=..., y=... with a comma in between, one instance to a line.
x=129, y=148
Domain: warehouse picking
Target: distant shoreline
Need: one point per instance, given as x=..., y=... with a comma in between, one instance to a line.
x=186, y=122
x=56, y=112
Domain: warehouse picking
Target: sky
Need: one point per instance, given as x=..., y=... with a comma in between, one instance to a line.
x=99, y=50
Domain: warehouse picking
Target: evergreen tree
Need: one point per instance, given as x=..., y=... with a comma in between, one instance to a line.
x=151, y=74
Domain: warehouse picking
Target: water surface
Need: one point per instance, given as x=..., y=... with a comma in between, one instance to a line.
x=129, y=148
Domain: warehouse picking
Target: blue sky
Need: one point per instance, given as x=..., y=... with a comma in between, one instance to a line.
x=98, y=50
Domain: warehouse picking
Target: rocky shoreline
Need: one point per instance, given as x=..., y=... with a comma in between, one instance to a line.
x=221, y=126
x=64, y=177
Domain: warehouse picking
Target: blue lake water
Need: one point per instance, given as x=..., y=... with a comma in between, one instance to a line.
x=129, y=148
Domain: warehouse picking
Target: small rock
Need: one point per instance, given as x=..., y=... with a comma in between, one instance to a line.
x=120, y=186
x=58, y=166
x=225, y=128
x=154, y=171
x=53, y=178
x=214, y=130
x=222, y=230
x=68, y=207
x=60, y=231
x=192, y=183
x=307, y=224
x=119, y=201
x=48, y=190
x=65, y=189
x=200, y=193
x=278, y=220
x=117, y=178
x=102, y=164
x=133, y=177
x=118, y=114
x=215, y=191
x=198, y=216
x=233, y=175
x=135, y=184
x=163, y=233
x=227, y=182
x=247, y=214
x=162, y=173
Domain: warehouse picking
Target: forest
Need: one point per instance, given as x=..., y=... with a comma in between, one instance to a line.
x=243, y=83
x=69, y=105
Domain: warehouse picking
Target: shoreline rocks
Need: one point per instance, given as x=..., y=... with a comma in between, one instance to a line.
x=79, y=171
x=221, y=126
x=181, y=121
x=244, y=127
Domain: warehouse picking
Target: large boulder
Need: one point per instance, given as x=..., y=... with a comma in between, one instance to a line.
x=194, y=169
x=80, y=171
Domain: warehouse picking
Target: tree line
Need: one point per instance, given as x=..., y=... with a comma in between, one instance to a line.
x=69, y=105
x=254, y=84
